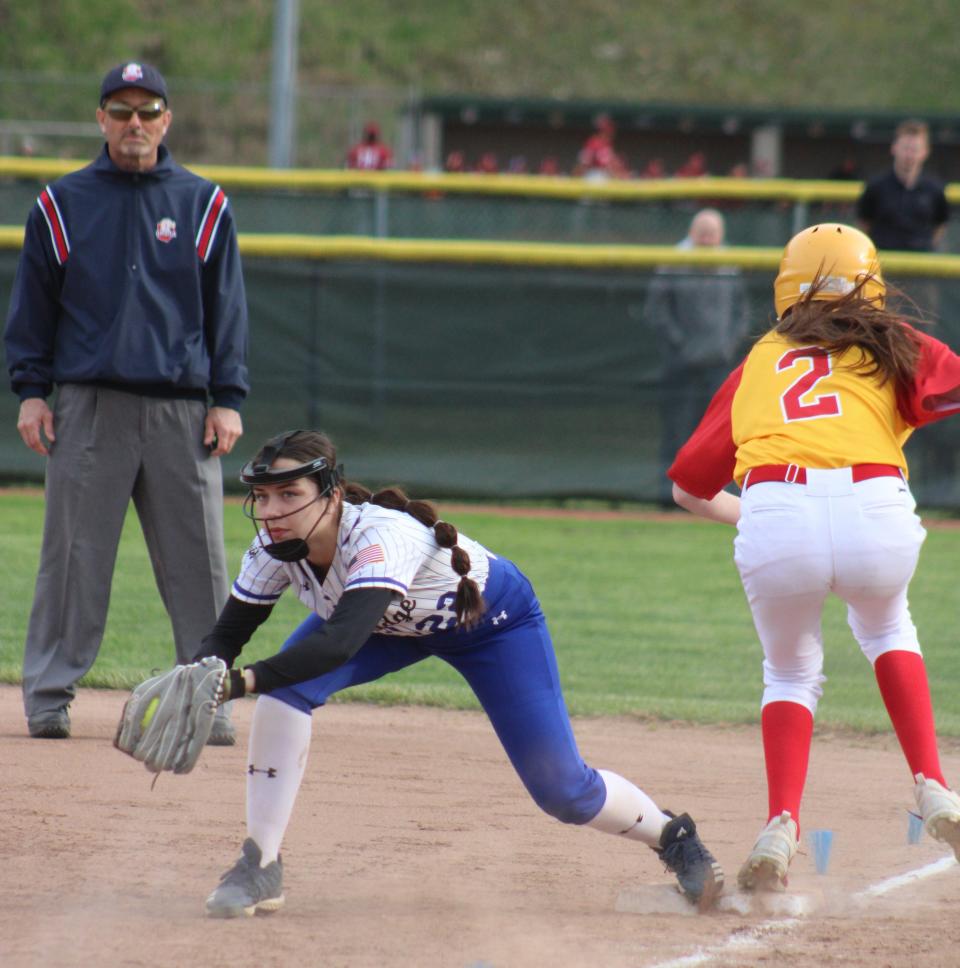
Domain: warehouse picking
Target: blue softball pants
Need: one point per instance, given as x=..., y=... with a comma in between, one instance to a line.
x=509, y=662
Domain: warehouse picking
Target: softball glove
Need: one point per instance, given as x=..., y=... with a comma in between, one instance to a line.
x=167, y=719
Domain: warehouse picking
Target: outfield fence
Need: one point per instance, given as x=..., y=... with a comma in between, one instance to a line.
x=397, y=204
x=491, y=368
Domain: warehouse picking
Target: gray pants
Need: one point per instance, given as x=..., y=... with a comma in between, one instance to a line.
x=110, y=447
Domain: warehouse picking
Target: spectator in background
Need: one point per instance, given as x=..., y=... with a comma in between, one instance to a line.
x=518, y=165
x=598, y=158
x=129, y=299
x=846, y=170
x=904, y=209
x=549, y=166
x=455, y=162
x=654, y=169
x=694, y=167
x=700, y=315
x=370, y=153
x=907, y=210
x=488, y=164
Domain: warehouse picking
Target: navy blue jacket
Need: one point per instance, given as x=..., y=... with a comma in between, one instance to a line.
x=131, y=281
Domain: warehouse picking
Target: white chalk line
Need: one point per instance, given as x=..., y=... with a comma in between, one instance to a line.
x=755, y=936
x=892, y=883
x=742, y=941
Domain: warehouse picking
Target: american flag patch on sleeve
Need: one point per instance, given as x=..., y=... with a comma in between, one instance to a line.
x=368, y=556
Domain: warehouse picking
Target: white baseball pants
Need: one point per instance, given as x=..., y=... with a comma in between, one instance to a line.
x=797, y=543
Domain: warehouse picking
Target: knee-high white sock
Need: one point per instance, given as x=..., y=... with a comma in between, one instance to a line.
x=276, y=760
x=628, y=811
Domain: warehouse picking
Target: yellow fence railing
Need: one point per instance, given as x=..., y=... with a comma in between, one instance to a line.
x=535, y=186
x=578, y=256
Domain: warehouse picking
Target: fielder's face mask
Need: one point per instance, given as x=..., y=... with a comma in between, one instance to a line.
x=260, y=471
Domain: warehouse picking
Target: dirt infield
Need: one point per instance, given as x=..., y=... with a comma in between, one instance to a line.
x=413, y=843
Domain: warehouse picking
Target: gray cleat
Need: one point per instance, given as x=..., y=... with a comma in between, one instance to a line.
x=247, y=888
x=223, y=733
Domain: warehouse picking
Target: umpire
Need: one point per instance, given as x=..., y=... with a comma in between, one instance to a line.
x=129, y=299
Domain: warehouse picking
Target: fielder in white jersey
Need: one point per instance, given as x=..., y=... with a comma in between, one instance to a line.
x=376, y=547
x=811, y=426
x=388, y=584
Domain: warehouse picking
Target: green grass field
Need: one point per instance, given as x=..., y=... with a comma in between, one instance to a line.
x=648, y=618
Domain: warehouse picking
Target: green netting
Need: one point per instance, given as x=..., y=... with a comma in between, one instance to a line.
x=481, y=381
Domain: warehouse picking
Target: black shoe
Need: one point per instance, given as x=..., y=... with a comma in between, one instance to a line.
x=699, y=876
x=55, y=725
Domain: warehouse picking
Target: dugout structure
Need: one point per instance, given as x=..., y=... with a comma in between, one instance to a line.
x=518, y=366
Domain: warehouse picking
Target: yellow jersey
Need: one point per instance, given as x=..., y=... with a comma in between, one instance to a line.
x=802, y=405
x=792, y=404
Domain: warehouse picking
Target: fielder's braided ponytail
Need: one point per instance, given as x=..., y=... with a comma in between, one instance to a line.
x=469, y=604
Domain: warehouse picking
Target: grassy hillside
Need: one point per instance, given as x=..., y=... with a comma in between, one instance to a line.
x=365, y=58
x=821, y=53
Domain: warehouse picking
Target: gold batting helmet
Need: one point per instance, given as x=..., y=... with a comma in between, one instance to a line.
x=839, y=254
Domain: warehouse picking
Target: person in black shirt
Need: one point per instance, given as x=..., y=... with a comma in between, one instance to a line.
x=905, y=209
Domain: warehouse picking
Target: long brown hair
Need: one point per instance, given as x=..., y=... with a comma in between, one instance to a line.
x=469, y=604
x=888, y=347
x=307, y=445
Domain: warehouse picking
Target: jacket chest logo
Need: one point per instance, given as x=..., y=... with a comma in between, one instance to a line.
x=166, y=230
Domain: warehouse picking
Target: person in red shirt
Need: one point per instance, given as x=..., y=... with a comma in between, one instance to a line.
x=654, y=169
x=811, y=426
x=694, y=167
x=598, y=158
x=370, y=153
x=456, y=162
x=488, y=164
x=549, y=166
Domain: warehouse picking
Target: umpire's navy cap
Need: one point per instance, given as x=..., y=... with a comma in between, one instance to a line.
x=133, y=74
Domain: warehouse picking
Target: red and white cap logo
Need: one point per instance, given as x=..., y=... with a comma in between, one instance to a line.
x=132, y=72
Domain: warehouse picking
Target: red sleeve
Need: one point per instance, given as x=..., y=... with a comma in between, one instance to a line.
x=938, y=372
x=704, y=464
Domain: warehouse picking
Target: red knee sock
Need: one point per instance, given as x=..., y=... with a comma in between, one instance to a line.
x=902, y=678
x=787, y=731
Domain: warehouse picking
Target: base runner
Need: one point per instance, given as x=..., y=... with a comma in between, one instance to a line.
x=811, y=426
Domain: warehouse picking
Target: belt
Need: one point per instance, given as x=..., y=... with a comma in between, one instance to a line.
x=794, y=474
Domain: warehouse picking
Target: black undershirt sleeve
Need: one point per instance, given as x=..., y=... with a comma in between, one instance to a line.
x=353, y=620
x=234, y=629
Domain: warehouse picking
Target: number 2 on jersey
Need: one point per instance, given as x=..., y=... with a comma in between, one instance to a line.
x=791, y=400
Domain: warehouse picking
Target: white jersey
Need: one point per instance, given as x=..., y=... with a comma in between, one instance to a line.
x=376, y=548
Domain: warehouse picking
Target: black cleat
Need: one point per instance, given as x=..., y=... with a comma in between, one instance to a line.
x=699, y=876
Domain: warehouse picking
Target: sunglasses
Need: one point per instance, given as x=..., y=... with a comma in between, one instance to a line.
x=148, y=111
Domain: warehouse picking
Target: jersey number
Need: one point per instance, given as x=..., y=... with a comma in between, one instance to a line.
x=437, y=623
x=791, y=400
